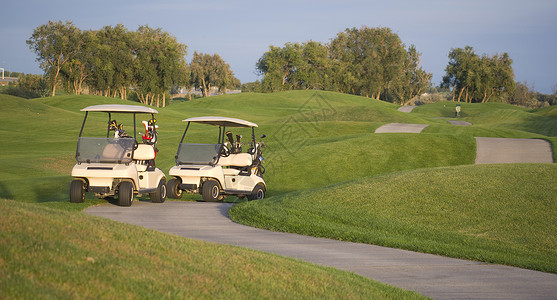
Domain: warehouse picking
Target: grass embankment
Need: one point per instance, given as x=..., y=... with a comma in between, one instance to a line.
x=48, y=248
x=491, y=213
x=328, y=174
x=64, y=255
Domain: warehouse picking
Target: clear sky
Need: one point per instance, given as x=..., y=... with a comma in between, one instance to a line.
x=241, y=31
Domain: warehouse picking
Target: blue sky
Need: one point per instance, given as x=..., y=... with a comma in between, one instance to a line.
x=241, y=31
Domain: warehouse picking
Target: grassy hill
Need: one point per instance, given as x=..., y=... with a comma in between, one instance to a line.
x=48, y=247
x=74, y=256
x=328, y=174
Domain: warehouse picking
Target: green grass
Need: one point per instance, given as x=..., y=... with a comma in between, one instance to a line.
x=328, y=174
x=492, y=213
x=57, y=263
x=71, y=256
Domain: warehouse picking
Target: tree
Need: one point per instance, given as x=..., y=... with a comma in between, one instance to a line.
x=373, y=57
x=496, y=76
x=279, y=65
x=478, y=78
x=78, y=68
x=115, y=60
x=459, y=74
x=414, y=80
x=158, y=64
x=33, y=83
x=209, y=71
x=54, y=44
x=523, y=95
x=314, y=68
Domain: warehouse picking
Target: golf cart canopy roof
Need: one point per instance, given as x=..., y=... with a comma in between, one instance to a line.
x=121, y=108
x=221, y=121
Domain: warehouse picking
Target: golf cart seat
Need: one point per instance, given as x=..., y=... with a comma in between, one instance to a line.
x=236, y=160
x=144, y=152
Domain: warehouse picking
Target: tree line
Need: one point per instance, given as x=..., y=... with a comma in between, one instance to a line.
x=113, y=60
x=371, y=62
x=474, y=78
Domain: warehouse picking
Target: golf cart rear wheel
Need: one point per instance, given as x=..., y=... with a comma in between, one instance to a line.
x=173, y=189
x=77, y=191
x=125, y=193
x=211, y=191
x=160, y=194
x=258, y=193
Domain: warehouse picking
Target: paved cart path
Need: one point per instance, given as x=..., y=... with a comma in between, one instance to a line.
x=460, y=123
x=434, y=276
x=407, y=108
x=505, y=150
x=401, y=128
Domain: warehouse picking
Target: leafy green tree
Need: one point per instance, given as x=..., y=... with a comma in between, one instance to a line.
x=414, y=81
x=476, y=78
x=314, y=69
x=209, y=71
x=34, y=83
x=370, y=60
x=496, y=77
x=54, y=44
x=251, y=87
x=461, y=72
x=116, y=46
x=78, y=68
x=158, y=65
x=279, y=65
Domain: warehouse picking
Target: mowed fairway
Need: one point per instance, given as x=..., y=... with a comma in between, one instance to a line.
x=328, y=175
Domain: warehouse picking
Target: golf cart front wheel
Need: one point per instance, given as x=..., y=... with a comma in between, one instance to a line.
x=125, y=193
x=258, y=193
x=173, y=189
x=77, y=191
x=211, y=191
x=160, y=193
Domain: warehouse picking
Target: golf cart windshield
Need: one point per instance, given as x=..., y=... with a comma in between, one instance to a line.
x=198, y=154
x=104, y=150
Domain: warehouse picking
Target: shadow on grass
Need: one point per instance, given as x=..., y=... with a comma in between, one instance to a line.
x=36, y=190
x=5, y=192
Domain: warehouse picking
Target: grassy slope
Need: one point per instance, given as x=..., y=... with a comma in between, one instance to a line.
x=86, y=257
x=37, y=160
x=492, y=213
x=317, y=144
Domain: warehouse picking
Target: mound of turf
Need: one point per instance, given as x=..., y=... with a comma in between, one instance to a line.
x=492, y=213
x=316, y=143
x=73, y=256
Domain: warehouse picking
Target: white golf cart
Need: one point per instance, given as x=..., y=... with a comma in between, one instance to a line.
x=118, y=165
x=217, y=170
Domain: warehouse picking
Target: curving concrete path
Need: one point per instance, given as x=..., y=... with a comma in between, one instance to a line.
x=434, y=276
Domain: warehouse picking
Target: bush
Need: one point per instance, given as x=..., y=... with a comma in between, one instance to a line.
x=21, y=92
x=432, y=98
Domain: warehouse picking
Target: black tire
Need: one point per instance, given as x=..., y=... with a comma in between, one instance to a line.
x=125, y=193
x=258, y=193
x=159, y=196
x=77, y=191
x=211, y=191
x=173, y=189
